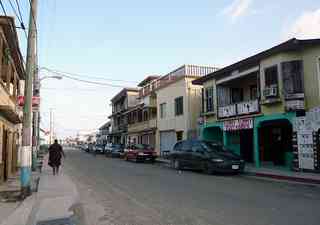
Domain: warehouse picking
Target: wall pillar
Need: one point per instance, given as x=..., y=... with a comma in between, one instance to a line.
x=256, y=150
x=225, y=138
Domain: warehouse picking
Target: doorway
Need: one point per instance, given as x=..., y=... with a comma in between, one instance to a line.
x=246, y=145
x=4, y=154
x=275, y=138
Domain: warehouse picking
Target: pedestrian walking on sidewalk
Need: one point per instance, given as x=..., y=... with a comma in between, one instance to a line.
x=55, y=154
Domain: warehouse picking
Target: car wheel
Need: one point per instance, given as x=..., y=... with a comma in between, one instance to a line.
x=176, y=164
x=207, y=169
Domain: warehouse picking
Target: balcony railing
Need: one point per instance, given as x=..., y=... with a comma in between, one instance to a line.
x=238, y=109
x=140, y=126
x=227, y=111
x=248, y=107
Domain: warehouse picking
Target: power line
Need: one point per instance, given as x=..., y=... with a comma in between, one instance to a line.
x=32, y=14
x=19, y=17
x=18, y=5
x=87, y=81
x=12, y=30
x=88, y=76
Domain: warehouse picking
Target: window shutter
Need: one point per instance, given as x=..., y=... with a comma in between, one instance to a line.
x=202, y=100
x=292, y=75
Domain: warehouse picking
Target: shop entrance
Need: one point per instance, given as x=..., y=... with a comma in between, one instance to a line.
x=4, y=154
x=246, y=145
x=275, y=138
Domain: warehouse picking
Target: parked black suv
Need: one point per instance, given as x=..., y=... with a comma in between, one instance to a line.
x=204, y=155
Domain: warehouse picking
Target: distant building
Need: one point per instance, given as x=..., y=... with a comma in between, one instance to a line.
x=125, y=100
x=103, y=134
x=142, y=118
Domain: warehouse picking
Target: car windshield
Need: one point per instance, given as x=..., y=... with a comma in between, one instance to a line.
x=142, y=147
x=117, y=146
x=213, y=147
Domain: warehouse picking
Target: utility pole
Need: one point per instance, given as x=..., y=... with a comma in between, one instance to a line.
x=36, y=121
x=26, y=151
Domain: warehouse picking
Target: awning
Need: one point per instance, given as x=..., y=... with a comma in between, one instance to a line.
x=10, y=114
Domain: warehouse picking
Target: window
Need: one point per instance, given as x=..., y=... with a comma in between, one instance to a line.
x=236, y=95
x=178, y=146
x=271, y=76
x=145, y=115
x=292, y=75
x=202, y=100
x=179, y=135
x=186, y=146
x=209, y=99
x=253, y=92
x=163, y=109
x=178, y=103
x=197, y=147
x=139, y=116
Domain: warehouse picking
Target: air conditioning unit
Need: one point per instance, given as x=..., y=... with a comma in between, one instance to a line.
x=270, y=91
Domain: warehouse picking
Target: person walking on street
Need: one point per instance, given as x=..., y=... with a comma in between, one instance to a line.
x=55, y=154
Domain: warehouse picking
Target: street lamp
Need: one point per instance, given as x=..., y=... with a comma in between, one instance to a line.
x=53, y=77
x=36, y=118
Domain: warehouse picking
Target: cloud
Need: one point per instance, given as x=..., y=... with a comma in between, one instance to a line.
x=305, y=26
x=237, y=9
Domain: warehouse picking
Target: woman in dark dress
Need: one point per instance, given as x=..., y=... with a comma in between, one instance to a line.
x=55, y=154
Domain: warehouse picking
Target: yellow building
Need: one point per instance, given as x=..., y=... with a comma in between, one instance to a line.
x=142, y=118
x=178, y=102
x=250, y=105
x=11, y=85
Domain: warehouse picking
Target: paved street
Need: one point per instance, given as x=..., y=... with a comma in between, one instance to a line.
x=114, y=191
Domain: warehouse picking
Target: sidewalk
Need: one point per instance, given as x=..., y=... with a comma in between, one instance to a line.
x=56, y=200
x=10, y=194
x=250, y=170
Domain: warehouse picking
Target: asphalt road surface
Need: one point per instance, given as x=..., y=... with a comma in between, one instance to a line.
x=117, y=192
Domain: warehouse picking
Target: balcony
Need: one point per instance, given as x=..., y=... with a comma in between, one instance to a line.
x=141, y=126
x=239, y=109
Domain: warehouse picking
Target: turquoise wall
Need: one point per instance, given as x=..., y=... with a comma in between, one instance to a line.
x=232, y=142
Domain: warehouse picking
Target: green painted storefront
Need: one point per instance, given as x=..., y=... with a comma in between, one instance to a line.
x=214, y=132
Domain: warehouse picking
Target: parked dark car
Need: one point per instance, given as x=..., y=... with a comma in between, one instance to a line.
x=140, y=153
x=114, y=150
x=207, y=156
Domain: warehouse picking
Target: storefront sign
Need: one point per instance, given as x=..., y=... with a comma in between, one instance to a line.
x=35, y=101
x=294, y=105
x=240, y=124
x=305, y=150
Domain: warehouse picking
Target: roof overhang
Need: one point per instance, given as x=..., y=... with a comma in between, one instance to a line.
x=123, y=93
x=10, y=114
x=8, y=25
x=290, y=45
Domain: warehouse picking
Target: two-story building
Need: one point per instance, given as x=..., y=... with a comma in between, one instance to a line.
x=142, y=119
x=125, y=100
x=178, y=102
x=102, y=136
x=250, y=105
x=12, y=74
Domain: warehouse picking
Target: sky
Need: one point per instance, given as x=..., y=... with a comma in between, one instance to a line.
x=129, y=40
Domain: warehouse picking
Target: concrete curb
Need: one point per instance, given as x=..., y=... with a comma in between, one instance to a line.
x=21, y=215
x=283, y=177
x=270, y=175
